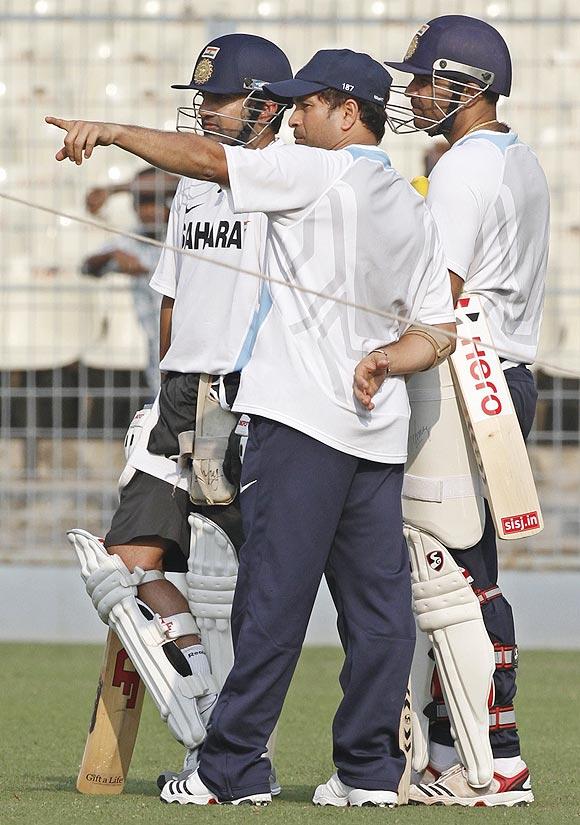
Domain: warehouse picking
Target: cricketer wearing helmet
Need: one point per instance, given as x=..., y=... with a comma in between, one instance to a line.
x=489, y=197
x=322, y=476
x=174, y=471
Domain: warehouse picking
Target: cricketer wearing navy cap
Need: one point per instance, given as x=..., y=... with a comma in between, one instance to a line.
x=332, y=79
x=237, y=66
x=322, y=475
x=463, y=58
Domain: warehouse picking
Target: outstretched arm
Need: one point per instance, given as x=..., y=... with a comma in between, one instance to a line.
x=182, y=153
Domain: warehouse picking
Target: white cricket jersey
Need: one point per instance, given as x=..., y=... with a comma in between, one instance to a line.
x=490, y=200
x=214, y=306
x=346, y=224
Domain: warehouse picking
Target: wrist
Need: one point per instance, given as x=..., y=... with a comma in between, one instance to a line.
x=118, y=135
x=384, y=353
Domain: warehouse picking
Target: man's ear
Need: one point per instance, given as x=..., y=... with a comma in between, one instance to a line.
x=269, y=111
x=350, y=109
x=467, y=92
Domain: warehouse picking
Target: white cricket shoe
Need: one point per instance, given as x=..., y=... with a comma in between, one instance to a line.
x=192, y=791
x=452, y=788
x=190, y=764
x=430, y=774
x=334, y=792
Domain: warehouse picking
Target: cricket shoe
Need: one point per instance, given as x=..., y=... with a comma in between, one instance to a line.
x=426, y=777
x=192, y=791
x=190, y=764
x=336, y=793
x=452, y=788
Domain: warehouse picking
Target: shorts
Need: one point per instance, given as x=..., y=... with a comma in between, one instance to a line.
x=177, y=408
x=152, y=507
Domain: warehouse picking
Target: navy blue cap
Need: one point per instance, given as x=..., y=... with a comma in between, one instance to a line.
x=237, y=64
x=457, y=38
x=355, y=73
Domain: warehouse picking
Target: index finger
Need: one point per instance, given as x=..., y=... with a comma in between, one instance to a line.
x=60, y=122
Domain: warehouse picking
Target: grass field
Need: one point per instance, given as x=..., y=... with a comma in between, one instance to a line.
x=46, y=700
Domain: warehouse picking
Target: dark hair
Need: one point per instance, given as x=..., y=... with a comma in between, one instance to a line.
x=372, y=115
x=276, y=122
x=491, y=97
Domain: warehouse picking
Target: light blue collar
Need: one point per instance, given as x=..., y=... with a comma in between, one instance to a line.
x=503, y=140
x=371, y=152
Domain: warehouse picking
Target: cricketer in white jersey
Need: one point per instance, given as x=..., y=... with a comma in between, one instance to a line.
x=207, y=296
x=499, y=248
x=322, y=477
x=327, y=232
x=489, y=198
x=205, y=315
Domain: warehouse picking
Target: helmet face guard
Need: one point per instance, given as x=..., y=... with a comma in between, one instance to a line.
x=230, y=66
x=400, y=115
x=190, y=118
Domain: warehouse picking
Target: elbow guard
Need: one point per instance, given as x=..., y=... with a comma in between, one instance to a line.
x=441, y=342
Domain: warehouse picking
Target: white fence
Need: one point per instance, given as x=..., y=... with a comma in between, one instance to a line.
x=72, y=353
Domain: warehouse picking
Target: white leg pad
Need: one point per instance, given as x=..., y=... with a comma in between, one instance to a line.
x=447, y=609
x=211, y=581
x=113, y=590
x=421, y=677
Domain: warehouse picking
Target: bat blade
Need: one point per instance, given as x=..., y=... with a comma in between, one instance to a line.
x=114, y=723
x=493, y=426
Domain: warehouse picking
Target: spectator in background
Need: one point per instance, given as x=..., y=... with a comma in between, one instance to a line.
x=152, y=192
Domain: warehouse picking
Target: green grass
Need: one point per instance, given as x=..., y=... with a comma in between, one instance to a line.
x=46, y=700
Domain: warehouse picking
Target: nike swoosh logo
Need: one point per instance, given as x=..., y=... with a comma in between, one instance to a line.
x=249, y=484
x=195, y=205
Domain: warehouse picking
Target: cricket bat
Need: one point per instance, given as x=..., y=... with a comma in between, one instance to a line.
x=114, y=723
x=493, y=426
x=406, y=744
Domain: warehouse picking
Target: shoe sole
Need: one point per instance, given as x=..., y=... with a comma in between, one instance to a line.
x=261, y=803
x=347, y=804
x=182, y=800
x=517, y=802
x=259, y=800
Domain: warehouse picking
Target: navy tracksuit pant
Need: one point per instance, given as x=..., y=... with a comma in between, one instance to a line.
x=482, y=564
x=308, y=508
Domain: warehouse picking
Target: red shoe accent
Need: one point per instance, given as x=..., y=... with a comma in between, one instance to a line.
x=511, y=783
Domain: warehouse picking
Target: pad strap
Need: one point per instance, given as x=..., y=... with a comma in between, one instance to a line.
x=487, y=594
x=150, y=576
x=502, y=718
x=423, y=488
x=506, y=656
x=180, y=624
